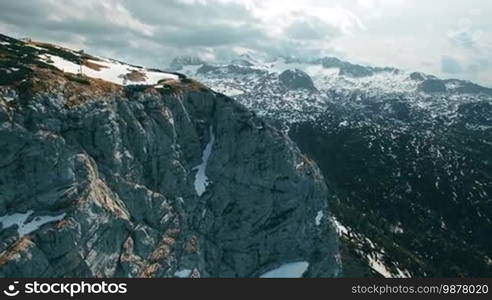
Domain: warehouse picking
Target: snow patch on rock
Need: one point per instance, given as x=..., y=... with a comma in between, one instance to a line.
x=201, y=179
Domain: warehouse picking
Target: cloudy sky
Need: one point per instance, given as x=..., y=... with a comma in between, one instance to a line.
x=448, y=38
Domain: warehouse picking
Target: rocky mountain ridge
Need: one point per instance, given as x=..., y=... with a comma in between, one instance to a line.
x=407, y=154
x=114, y=170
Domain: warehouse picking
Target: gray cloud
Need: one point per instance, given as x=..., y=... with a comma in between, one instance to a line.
x=177, y=27
x=470, y=41
x=210, y=36
x=176, y=13
x=450, y=65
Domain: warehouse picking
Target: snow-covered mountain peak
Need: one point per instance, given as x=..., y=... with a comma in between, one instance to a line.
x=76, y=64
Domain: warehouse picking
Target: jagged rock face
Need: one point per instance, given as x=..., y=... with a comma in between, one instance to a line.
x=296, y=79
x=152, y=181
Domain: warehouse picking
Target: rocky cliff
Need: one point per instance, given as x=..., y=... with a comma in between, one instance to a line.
x=407, y=154
x=100, y=178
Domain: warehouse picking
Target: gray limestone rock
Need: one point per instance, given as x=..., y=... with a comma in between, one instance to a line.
x=113, y=187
